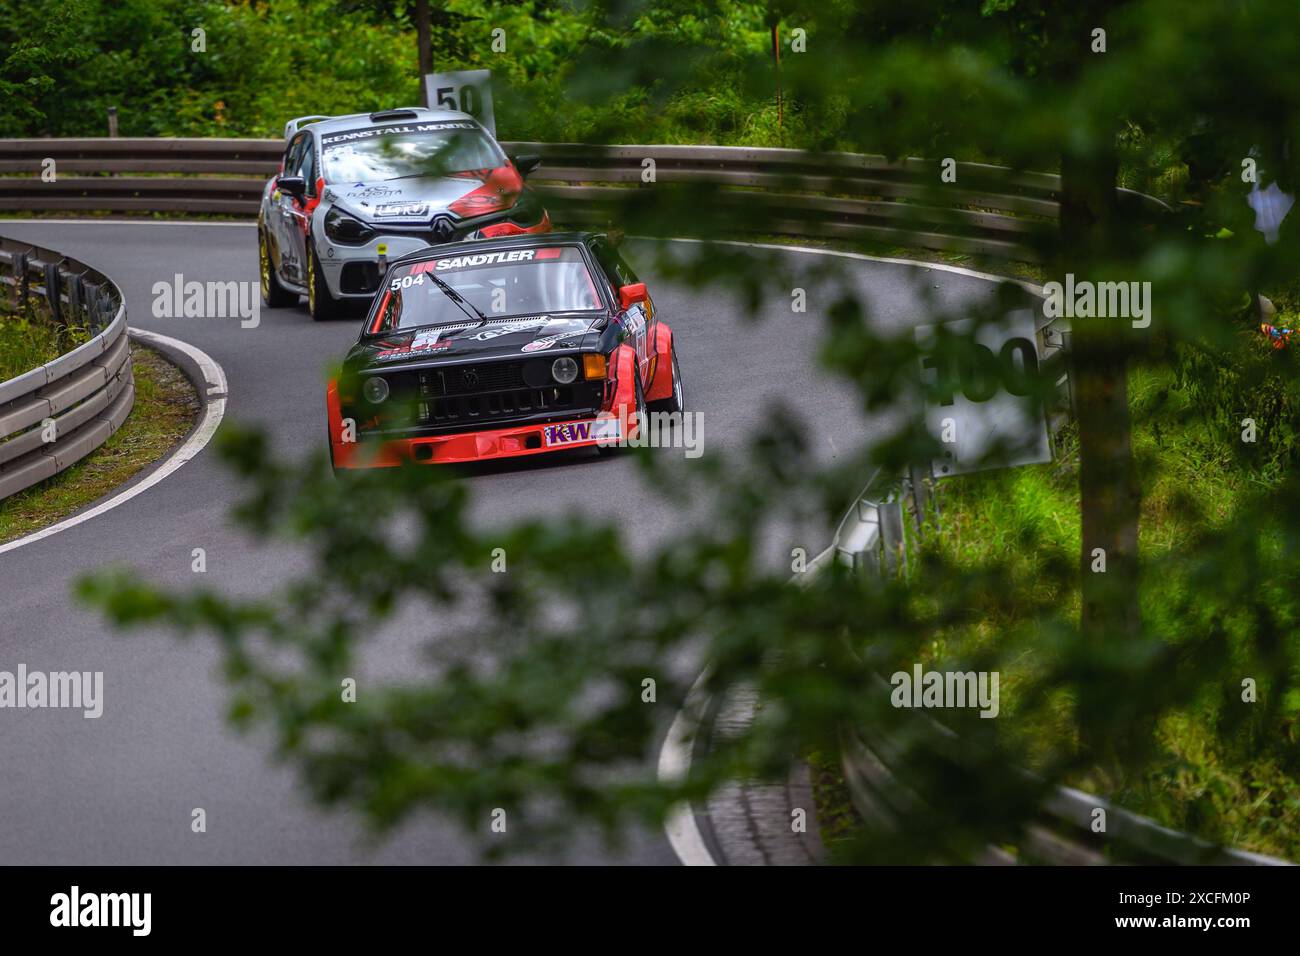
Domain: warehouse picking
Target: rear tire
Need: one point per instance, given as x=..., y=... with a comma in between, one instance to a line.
x=274, y=295
x=320, y=303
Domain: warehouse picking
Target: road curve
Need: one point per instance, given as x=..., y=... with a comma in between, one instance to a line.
x=121, y=789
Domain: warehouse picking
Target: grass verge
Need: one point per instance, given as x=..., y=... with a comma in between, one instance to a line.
x=1231, y=787
x=166, y=406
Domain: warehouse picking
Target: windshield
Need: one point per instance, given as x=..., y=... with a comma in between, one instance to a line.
x=418, y=149
x=498, y=284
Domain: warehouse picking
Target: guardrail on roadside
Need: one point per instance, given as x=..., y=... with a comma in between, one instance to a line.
x=988, y=210
x=56, y=414
x=873, y=539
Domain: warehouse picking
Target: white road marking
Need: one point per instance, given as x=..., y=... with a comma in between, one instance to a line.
x=674, y=764
x=214, y=410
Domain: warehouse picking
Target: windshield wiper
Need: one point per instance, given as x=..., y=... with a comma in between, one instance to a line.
x=465, y=305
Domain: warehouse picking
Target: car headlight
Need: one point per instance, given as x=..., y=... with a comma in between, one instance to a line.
x=375, y=390
x=341, y=227
x=565, y=370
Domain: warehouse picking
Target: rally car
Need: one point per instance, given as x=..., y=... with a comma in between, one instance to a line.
x=499, y=348
x=356, y=192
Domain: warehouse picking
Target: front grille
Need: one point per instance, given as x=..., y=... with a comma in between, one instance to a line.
x=443, y=399
x=471, y=379
x=458, y=409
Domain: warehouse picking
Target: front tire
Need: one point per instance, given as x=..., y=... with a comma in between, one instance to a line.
x=274, y=295
x=675, y=402
x=320, y=303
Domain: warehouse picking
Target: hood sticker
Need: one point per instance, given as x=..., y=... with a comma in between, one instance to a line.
x=334, y=139
x=390, y=209
x=420, y=342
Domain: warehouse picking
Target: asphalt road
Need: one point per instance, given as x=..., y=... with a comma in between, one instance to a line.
x=120, y=789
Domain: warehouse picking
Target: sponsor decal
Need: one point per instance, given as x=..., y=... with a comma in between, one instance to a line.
x=362, y=191
x=473, y=261
x=539, y=345
x=421, y=342
x=390, y=209
x=509, y=327
x=568, y=434
x=336, y=139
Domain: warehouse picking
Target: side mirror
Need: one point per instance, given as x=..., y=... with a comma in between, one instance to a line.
x=295, y=186
x=527, y=163
x=630, y=295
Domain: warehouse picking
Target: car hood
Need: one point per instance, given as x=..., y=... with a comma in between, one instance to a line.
x=403, y=200
x=518, y=337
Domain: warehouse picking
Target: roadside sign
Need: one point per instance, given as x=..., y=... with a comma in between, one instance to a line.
x=977, y=401
x=466, y=91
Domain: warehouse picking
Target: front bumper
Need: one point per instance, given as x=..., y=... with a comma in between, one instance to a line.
x=481, y=445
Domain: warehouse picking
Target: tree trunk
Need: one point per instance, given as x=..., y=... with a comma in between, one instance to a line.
x=1108, y=486
x=423, y=40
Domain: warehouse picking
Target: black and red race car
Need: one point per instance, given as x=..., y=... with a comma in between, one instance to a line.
x=497, y=348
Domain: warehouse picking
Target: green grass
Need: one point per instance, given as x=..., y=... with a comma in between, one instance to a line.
x=837, y=818
x=1232, y=788
x=166, y=407
x=29, y=342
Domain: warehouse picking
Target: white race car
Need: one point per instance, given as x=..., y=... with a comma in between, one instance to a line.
x=355, y=192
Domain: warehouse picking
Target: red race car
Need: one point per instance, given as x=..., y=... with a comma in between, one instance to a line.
x=498, y=348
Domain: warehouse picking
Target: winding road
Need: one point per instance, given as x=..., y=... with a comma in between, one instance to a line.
x=120, y=789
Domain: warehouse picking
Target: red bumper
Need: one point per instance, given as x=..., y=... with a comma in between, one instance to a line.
x=477, y=446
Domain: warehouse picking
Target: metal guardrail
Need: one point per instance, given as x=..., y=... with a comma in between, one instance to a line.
x=56, y=414
x=872, y=539
x=988, y=210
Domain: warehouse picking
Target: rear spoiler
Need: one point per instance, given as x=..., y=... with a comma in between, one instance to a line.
x=294, y=125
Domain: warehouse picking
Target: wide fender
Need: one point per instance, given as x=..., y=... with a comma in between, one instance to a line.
x=340, y=452
x=623, y=403
x=661, y=386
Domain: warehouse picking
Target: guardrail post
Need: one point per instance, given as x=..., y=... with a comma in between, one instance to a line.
x=54, y=292
x=919, y=481
x=891, y=535
x=76, y=297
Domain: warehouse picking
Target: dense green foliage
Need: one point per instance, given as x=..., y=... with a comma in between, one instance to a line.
x=266, y=62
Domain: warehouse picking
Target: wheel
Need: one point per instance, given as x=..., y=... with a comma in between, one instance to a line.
x=674, y=402
x=640, y=419
x=320, y=303
x=274, y=295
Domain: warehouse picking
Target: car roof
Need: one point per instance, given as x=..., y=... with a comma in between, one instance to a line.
x=526, y=241
x=334, y=124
